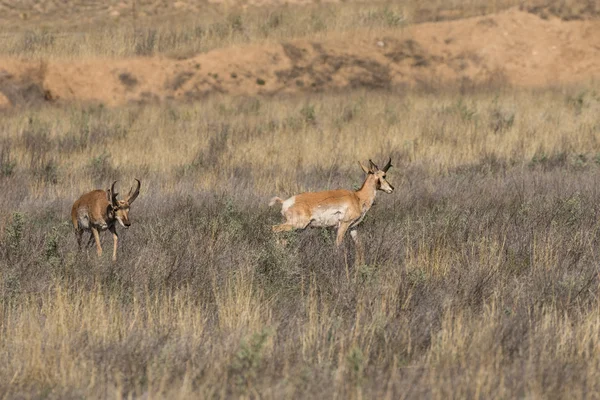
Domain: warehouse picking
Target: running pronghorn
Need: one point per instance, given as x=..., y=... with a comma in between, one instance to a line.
x=344, y=209
x=99, y=210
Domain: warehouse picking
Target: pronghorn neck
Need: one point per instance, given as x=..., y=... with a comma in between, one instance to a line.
x=368, y=191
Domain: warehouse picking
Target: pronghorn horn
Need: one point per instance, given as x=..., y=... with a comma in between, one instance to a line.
x=373, y=166
x=388, y=165
x=113, y=194
x=132, y=197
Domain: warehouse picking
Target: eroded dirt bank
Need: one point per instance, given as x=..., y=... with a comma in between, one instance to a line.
x=512, y=47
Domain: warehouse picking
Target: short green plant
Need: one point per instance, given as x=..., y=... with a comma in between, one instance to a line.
x=7, y=163
x=248, y=359
x=14, y=234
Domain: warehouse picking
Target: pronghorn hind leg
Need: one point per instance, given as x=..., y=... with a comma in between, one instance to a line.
x=283, y=227
x=288, y=227
x=297, y=223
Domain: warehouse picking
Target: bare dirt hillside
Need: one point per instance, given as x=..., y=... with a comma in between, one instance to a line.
x=512, y=47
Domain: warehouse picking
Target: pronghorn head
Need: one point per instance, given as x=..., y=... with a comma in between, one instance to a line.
x=119, y=209
x=379, y=175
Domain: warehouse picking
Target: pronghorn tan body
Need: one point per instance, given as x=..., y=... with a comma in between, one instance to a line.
x=344, y=209
x=100, y=210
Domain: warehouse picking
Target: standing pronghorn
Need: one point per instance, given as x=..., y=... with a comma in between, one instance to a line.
x=344, y=209
x=99, y=210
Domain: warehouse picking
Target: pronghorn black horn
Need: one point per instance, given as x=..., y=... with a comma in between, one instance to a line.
x=113, y=194
x=373, y=166
x=132, y=197
x=112, y=190
x=388, y=165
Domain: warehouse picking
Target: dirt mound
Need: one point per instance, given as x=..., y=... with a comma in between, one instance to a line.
x=568, y=11
x=514, y=47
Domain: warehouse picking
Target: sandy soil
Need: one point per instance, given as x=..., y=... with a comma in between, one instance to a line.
x=512, y=47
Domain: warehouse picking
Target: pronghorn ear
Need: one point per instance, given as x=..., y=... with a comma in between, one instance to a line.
x=363, y=168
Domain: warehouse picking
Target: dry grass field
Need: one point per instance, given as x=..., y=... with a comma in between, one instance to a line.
x=481, y=275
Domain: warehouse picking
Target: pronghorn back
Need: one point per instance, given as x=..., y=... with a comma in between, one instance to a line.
x=89, y=208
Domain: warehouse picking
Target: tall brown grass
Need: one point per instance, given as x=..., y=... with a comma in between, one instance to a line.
x=481, y=277
x=481, y=274
x=273, y=144
x=91, y=29
x=85, y=31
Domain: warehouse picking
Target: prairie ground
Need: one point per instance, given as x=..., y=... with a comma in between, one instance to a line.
x=481, y=273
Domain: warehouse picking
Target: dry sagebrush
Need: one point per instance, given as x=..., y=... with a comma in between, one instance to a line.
x=481, y=276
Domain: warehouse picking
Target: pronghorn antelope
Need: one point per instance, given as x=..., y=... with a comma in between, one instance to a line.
x=344, y=209
x=99, y=210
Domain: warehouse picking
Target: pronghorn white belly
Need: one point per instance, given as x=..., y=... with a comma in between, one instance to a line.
x=83, y=220
x=327, y=216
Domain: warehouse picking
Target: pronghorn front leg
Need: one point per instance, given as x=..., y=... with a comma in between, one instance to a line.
x=97, y=237
x=342, y=228
x=360, y=253
x=90, y=240
x=113, y=230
